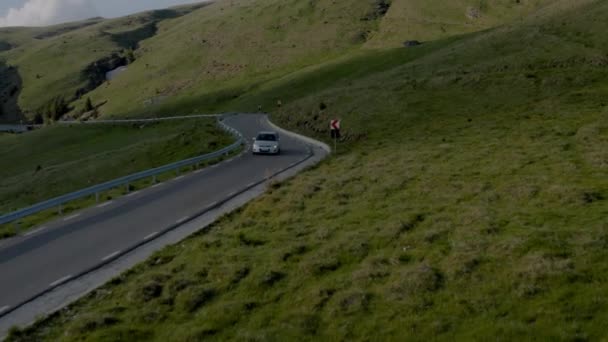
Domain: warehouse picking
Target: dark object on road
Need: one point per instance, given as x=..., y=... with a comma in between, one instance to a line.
x=411, y=43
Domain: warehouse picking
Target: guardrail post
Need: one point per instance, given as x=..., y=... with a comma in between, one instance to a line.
x=97, y=197
x=177, y=172
x=128, y=188
x=60, y=211
x=153, y=179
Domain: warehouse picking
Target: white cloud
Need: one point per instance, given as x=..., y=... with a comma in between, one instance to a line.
x=48, y=12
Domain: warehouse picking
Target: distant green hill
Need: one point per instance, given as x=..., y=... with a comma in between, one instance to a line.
x=70, y=60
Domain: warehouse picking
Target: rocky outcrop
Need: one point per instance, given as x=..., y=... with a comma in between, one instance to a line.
x=10, y=88
x=95, y=73
x=379, y=10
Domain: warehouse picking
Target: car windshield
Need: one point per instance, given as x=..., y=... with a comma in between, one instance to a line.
x=266, y=137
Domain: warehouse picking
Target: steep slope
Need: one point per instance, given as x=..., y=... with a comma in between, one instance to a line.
x=230, y=48
x=71, y=59
x=223, y=50
x=466, y=201
x=429, y=20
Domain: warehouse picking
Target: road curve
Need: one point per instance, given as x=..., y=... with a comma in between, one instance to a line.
x=62, y=250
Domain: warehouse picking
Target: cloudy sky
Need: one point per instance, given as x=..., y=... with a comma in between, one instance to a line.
x=48, y=12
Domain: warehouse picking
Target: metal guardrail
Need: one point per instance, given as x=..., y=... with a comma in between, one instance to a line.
x=122, y=121
x=58, y=202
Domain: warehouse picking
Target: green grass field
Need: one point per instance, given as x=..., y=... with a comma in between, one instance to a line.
x=61, y=159
x=467, y=201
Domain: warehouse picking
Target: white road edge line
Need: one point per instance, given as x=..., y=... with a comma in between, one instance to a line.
x=178, y=178
x=133, y=193
x=183, y=219
x=4, y=308
x=35, y=231
x=71, y=217
x=250, y=185
x=110, y=256
x=105, y=204
x=150, y=236
x=199, y=171
x=156, y=185
x=59, y=281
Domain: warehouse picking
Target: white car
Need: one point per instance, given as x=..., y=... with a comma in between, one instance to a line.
x=266, y=143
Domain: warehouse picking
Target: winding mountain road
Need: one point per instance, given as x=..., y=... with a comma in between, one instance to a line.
x=63, y=250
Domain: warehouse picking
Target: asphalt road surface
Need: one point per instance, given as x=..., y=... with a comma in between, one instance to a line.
x=60, y=250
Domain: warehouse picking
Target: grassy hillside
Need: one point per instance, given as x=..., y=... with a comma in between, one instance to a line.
x=58, y=160
x=233, y=44
x=229, y=49
x=430, y=20
x=467, y=200
x=223, y=50
x=68, y=60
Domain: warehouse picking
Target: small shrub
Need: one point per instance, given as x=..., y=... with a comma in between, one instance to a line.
x=92, y=322
x=250, y=306
x=180, y=285
x=591, y=197
x=15, y=334
x=305, y=324
x=355, y=302
x=247, y=241
x=240, y=275
x=405, y=258
x=326, y=265
x=299, y=250
x=271, y=278
x=151, y=290
x=418, y=280
x=197, y=298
